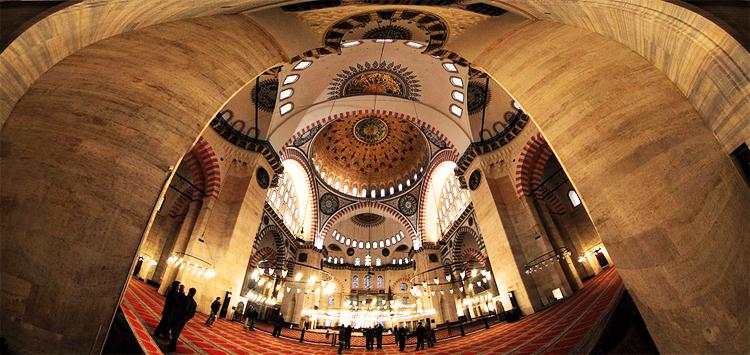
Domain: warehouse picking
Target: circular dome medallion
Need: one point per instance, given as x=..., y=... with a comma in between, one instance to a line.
x=329, y=204
x=407, y=204
x=370, y=130
x=350, y=251
x=385, y=252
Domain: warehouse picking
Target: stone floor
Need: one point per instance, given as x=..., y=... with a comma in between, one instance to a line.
x=571, y=326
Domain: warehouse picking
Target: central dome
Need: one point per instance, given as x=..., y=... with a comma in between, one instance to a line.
x=370, y=154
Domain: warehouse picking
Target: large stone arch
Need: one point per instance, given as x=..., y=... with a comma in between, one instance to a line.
x=124, y=148
x=299, y=157
x=441, y=157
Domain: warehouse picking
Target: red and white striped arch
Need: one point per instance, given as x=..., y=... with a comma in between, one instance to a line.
x=205, y=172
x=530, y=164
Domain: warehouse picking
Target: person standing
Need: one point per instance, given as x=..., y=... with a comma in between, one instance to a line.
x=170, y=302
x=183, y=313
x=368, y=338
x=428, y=335
x=278, y=325
x=342, y=338
x=420, y=332
x=379, y=335
x=349, y=336
x=401, y=338
x=215, y=307
x=253, y=317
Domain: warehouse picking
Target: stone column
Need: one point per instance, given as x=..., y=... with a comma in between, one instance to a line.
x=503, y=249
x=168, y=250
x=194, y=221
x=541, y=213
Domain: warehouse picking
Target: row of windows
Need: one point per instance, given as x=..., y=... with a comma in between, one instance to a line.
x=457, y=95
x=367, y=245
x=362, y=191
x=368, y=261
x=411, y=44
x=453, y=200
x=288, y=92
x=283, y=199
x=367, y=281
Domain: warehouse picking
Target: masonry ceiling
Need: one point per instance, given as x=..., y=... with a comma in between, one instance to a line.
x=369, y=151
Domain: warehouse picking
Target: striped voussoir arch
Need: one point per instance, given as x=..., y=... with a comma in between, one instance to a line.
x=206, y=174
x=529, y=169
x=263, y=254
x=469, y=255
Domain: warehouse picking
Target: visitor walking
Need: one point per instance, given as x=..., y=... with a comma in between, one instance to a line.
x=278, y=325
x=342, y=338
x=162, y=330
x=368, y=338
x=182, y=314
x=215, y=307
x=251, y=318
x=429, y=334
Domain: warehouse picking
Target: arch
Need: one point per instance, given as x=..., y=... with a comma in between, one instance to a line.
x=442, y=156
x=206, y=174
x=458, y=241
x=530, y=164
x=395, y=284
x=263, y=254
x=353, y=208
x=278, y=241
x=472, y=254
x=160, y=142
x=296, y=155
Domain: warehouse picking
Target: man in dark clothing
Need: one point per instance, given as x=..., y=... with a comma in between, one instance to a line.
x=166, y=313
x=342, y=338
x=421, y=333
x=349, y=336
x=253, y=316
x=401, y=338
x=379, y=335
x=215, y=307
x=368, y=338
x=182, y=314
x=428, y=335
x=278, y=325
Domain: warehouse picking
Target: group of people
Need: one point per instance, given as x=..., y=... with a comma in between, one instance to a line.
x=375, y=335
x=250, y=316
x=372, y=334
x=178, y=309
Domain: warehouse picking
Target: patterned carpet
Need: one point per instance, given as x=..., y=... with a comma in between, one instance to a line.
x=571, y=326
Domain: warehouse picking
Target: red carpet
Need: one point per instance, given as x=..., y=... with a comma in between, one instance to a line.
x=569, y=327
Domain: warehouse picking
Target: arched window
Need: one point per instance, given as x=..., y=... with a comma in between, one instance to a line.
x=368, y=260
x=403, y=286
x=355, y=281
x=380, y=281
x=574, y=200
x=368, y=281
x=356, y=261
x=341, y=260
x=330, y=300
x=378, y=261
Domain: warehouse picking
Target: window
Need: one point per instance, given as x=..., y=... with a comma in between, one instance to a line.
x=380, y=281
x=356, y=261
x=361, y=245
x=382, y=244
x=368, y=260
x=456, y=95
x=355, y=281
x=287, y=93
x=574, y=200
x=413, y=44
x=330, y=300
x=456, y=111
x=341, y=260
x=450, y=67
x=290, y=79
x=378, y=261
x=457, y=82
x=302, y=65
x=402, y=287
x=368, y=281
x=285, y=108
x=350, y=44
